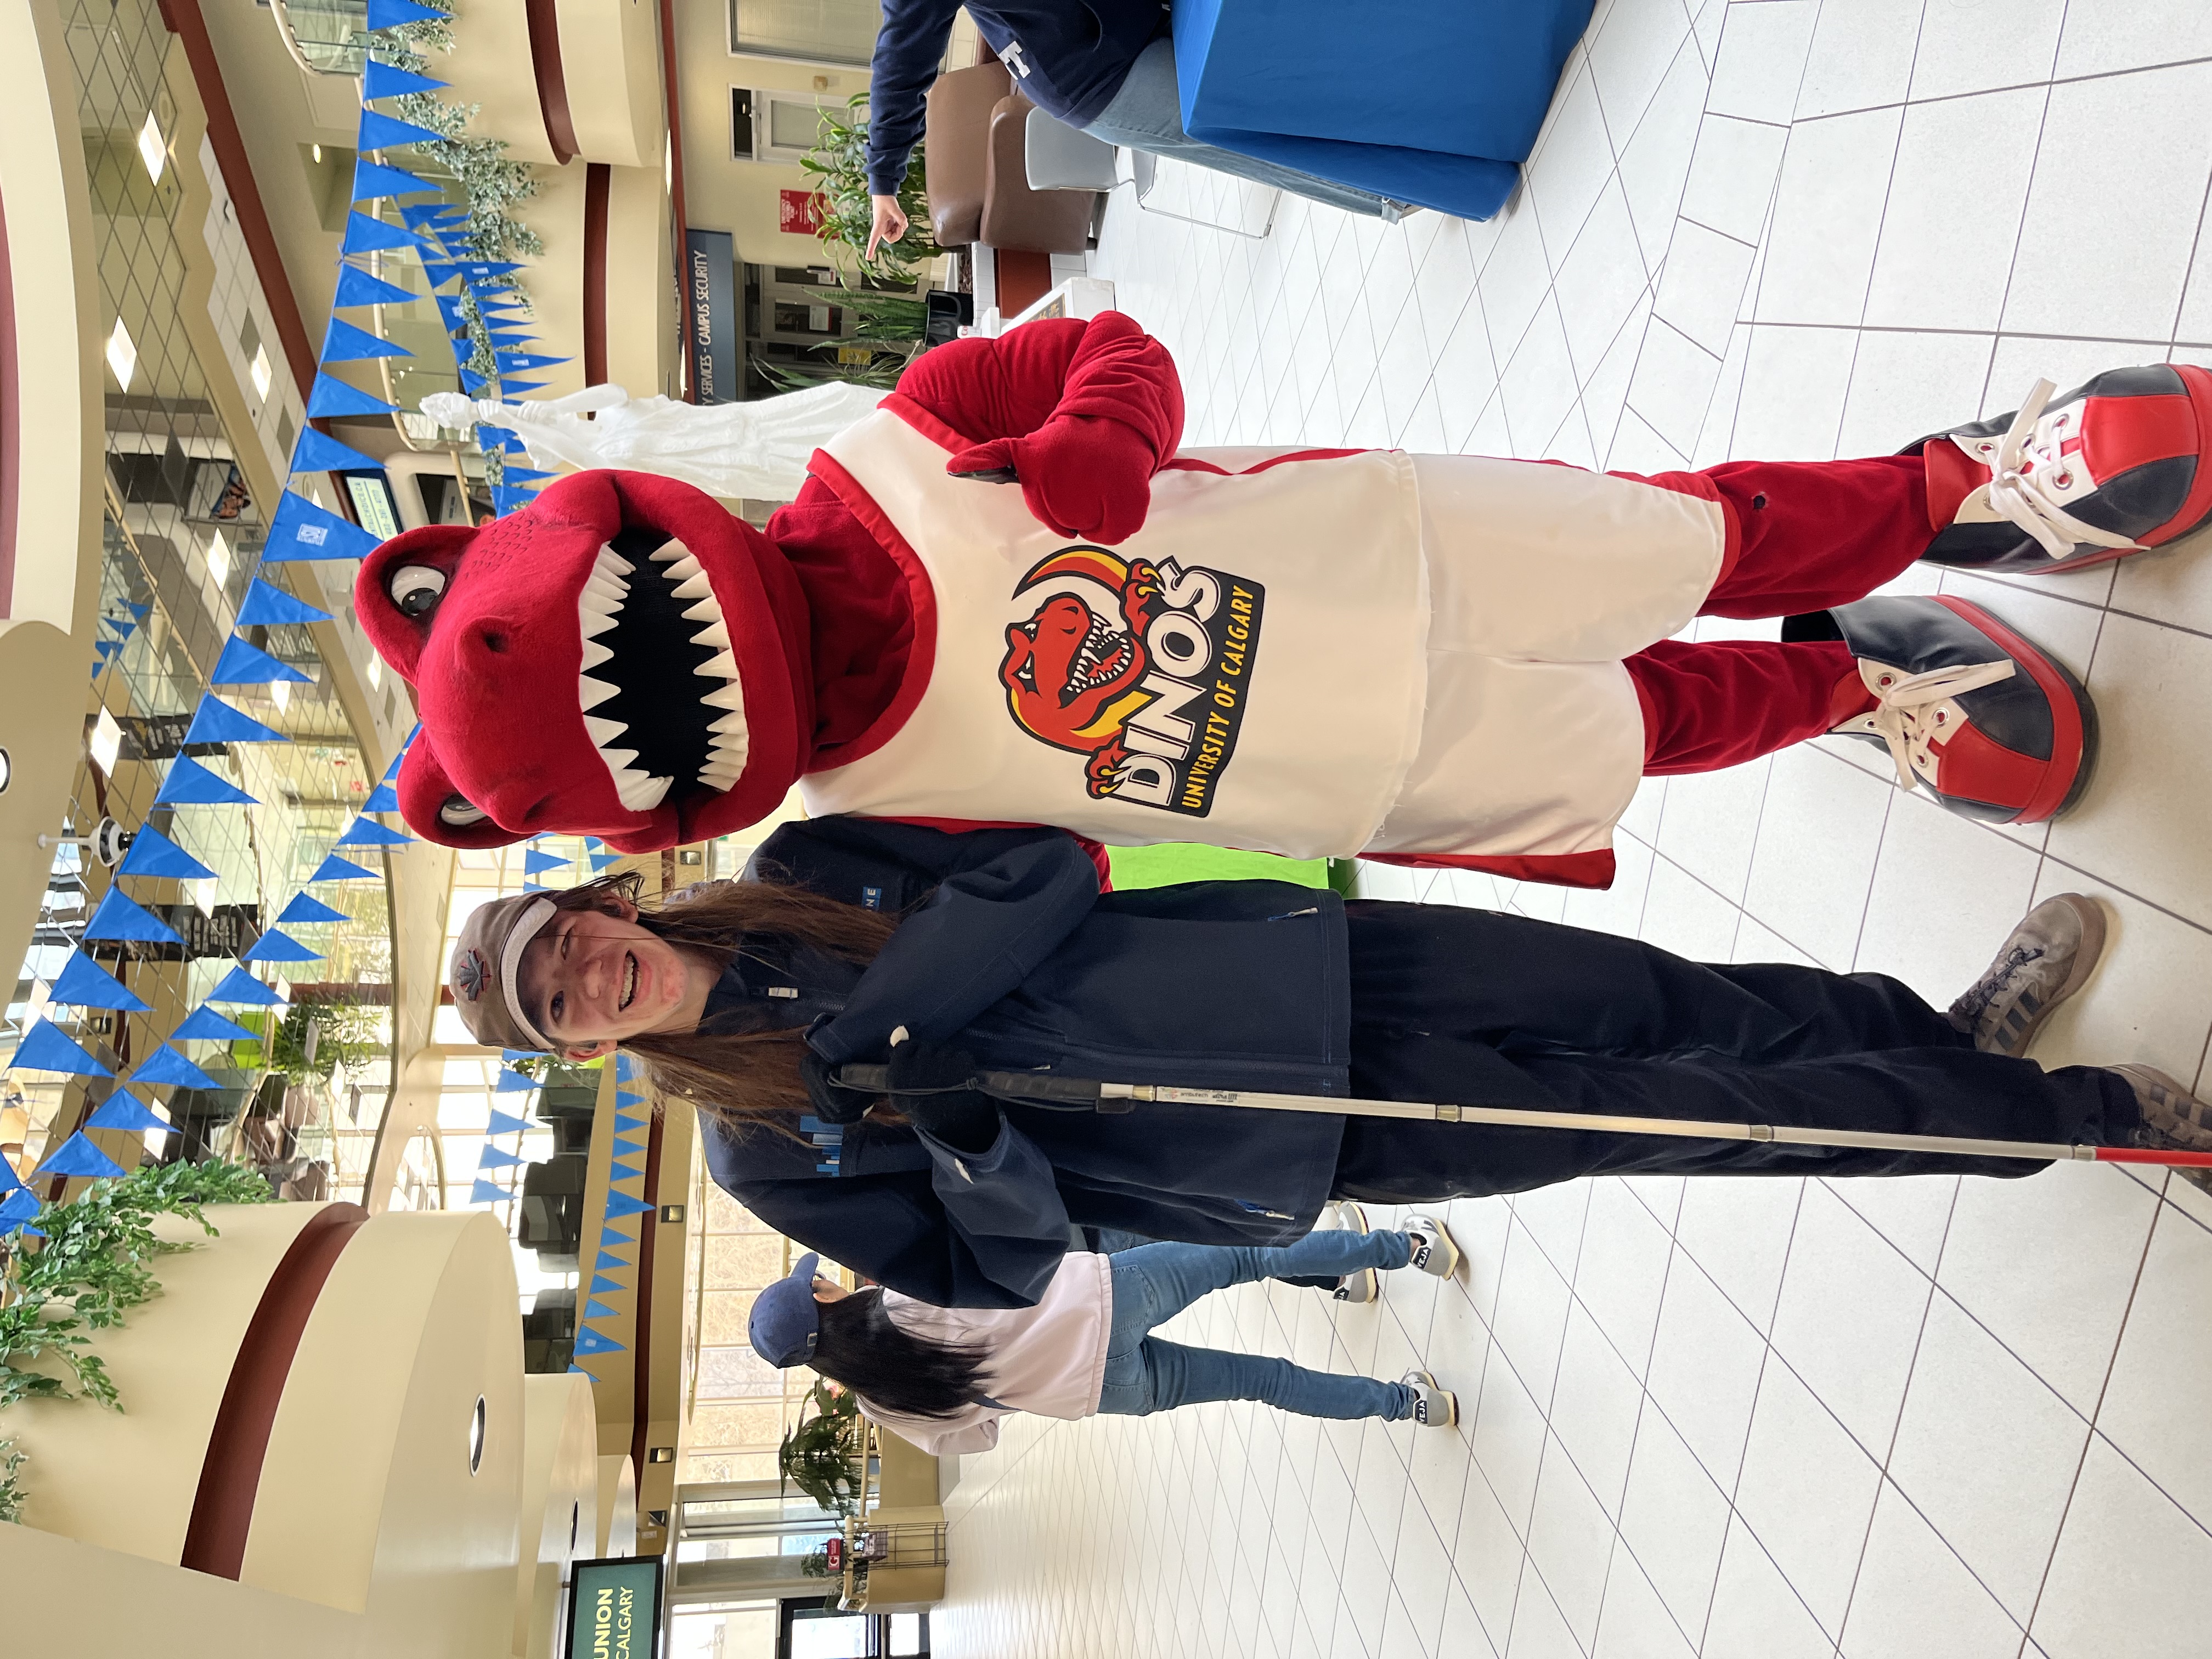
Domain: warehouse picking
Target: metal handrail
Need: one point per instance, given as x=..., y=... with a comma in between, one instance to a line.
x=292, y=48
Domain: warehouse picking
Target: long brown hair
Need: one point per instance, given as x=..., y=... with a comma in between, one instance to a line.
x=739, y=1078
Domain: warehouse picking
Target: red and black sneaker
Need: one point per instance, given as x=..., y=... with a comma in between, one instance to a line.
x=2114, y=467
x=1993, y=727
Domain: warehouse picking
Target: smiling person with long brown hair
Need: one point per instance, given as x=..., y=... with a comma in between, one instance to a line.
x=872, y=941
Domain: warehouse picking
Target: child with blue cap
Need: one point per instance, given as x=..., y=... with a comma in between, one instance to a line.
x=942, y=1378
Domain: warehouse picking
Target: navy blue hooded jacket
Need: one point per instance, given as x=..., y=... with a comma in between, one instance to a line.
x=1067, y=57
x=1017, y=958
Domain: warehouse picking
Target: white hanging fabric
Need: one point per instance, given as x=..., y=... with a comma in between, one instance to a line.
x=758, y=449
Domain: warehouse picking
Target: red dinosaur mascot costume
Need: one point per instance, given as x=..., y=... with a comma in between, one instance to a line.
x=1006, y=597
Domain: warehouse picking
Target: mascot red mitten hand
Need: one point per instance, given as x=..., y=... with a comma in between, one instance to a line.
x=1085, y=476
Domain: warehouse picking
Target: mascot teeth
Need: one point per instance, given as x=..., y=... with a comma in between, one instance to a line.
x=599, y=612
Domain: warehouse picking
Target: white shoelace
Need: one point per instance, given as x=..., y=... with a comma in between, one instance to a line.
x=2015, y=490
x=1902, y=715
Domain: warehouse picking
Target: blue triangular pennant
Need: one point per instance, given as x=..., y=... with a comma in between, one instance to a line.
x=615, y=1230
x=599, y=1310
x=368, y=832
x=366, y=235
x=240, y=986
x=450, y=309
x=603, y=1285
x=608, y=1259
x=476, y=386
x=357, y=287
x=625, y=1065
x=167, y=1066
x=277, y=945
x=487, y=1192
x=498, y=1157
x=119, y=916
x=305, y=529
x=121, y=1111
x=513, y=1082
x=316, y=453
x=242, y=664
x=334, y=868
x=205, y=1026
x=601, y=861
x=77, y=1157
x=382, y=798
x=306, y=908
x=10, y=1180
x=524, y=361
x=216, y=722
x=506, y=1123
x=266, y=606
x=382, y=132
x=590, y=1342
x=619, y=1171
x=622, y=1204
x=625, y=1147
x=332, y=396
x=534, y=863
x=191, y=784
x=383, y=81
x=83, y=983
x=372, y=181
x=625, y=1098
x=344, y=344
x=17, y=1208
x=397, y=14
x=153, y=854
x=508, y=1056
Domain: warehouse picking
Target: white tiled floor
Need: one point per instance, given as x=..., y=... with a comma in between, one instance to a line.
x=1761, y=1419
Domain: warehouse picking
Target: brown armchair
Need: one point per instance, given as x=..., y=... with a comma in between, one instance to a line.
x=978, y=184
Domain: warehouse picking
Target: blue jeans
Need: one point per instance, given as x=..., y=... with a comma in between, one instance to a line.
x=1146, y=114
x=1153, y=1283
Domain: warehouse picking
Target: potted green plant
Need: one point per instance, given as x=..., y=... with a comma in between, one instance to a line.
x=822, y=1455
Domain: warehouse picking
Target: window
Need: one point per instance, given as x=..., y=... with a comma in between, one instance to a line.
x=774, y=126
x=821, y=31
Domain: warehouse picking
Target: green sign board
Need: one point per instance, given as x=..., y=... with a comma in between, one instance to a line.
x=614, y=1608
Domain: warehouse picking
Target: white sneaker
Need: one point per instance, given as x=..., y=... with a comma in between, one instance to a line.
x=1362, y=1286
x=1350, y=1218
x=1434, y=1406
x=1434, y=1252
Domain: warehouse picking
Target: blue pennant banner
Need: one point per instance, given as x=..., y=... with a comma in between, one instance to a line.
x=382, y=132
x=122, y=1110
x=205, y=1026
x=622, y=1204
x=357, y=287
x=524, y=361
x=590, y=1342
x=154, y=854
x=334, y=868
x=83, y=983
x=331, y=397
x=167, y=1066
x=440, y=271
x=368, y=832
x=603, y=1285
x=626, y=1067
x=10, y=1180
x=601, y=861
x=506, y=1123
x=366, y=235
x=191, y=784
x=17, y=1210
x=344, y=344
x=449, y=308
x=383, y=81
x=118, y=917
x=216, y=722
x=266, y=606
x=625, y=1098
x=621, y=1171
x=372, y=182
x=599, y=1310
x=77, y=1157
x=487, y=1192
x=241, y=987
x=306, y=907
x=396, y=14
x=512, y=1082
x=498, y=1157
x=608, y=1260
x=508, y=1056
x=244, y=663
x=304, y=530
x=382, y=798
x=477, y=385
x=316, y=453
x=277, y=945
x=534, y=863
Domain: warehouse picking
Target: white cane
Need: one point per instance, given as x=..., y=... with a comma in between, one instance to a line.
x=1083, y=1094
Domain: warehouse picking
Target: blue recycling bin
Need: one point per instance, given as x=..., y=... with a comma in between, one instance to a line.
x=1431, y=102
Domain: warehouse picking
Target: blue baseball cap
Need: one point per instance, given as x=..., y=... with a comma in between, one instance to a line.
x=786, y=1318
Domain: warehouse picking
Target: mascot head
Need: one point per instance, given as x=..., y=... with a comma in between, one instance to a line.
x=623, y=658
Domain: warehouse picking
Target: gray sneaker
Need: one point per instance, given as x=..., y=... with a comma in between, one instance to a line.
x=2173, y=1119
x=1362, y=1286
x=1434, y=1252
x=1434, y=1406
x=2048, y=957
x=1350, y=1217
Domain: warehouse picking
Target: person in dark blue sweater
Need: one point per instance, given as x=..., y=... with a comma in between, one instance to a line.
x=1107, y=66
x=870, y=941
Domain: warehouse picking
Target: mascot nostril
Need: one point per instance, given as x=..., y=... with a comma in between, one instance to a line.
x=458, y=813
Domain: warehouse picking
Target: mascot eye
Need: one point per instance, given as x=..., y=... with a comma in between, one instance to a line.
x=415, y=589
x=458, y=813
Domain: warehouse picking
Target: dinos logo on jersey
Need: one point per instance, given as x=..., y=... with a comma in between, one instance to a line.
x=1144, y=669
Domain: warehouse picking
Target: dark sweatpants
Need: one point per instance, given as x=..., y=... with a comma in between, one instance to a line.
x=1481, y=1008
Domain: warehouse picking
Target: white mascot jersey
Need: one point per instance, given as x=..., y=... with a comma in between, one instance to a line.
x=1252, y=669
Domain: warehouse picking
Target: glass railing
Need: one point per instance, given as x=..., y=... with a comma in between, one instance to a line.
x=325, y=37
